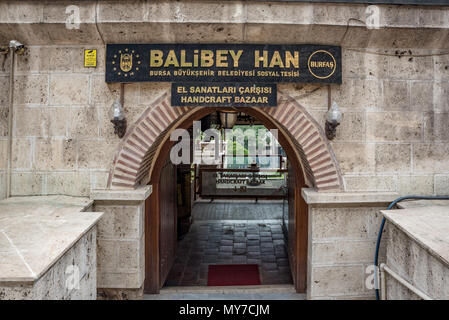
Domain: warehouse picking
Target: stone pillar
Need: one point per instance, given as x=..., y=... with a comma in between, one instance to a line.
x=120, y=241
x=343, y=230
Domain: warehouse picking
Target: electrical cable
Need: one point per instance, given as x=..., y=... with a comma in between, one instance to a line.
x=397, y=54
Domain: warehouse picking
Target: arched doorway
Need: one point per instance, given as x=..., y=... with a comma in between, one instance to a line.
x=145, y=147
x=298, y=219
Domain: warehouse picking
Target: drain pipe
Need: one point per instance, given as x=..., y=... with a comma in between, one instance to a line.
x=10, y=122
x=379, y=236
x=15, y=48
x=384, y=269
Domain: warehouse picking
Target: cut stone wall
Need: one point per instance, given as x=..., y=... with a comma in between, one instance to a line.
x=393, y=136
x=121, y=247
x=55, y=283
x=231, y=21
x=342, y=240
x=63, y=142
x=121, y=242
x=416, y=265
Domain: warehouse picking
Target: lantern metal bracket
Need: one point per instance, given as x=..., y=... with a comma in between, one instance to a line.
x=331, y=129
x=119, y=127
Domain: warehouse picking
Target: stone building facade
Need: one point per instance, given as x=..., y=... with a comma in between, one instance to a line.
x=393, y=139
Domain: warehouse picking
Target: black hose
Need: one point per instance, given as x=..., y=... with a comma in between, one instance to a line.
x=379, y=236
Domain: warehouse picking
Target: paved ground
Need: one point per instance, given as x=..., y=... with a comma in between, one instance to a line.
x=231, y=242
x=238, y=210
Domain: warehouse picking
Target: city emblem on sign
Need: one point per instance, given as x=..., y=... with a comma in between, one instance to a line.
x=125, y=63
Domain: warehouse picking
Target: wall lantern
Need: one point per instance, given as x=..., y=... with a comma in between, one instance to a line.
x=333, y=119
x=228, y=119
x=116, y=114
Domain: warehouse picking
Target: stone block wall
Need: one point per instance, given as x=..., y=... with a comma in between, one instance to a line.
x=394, y=133
x=63, y=140
x=55, y=284
x=62, y=143
x=393, y=136
x=342, y=245
x=342, y=241
x=121, y=247
x=121, y=242
x=416, y=265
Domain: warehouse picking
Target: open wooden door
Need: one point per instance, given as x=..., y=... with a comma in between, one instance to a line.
x=168, y=216
x=291, y=184
x=297, y=229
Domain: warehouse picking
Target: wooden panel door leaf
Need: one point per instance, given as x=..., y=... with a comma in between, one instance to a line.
x=291, y=183
x=168, y=205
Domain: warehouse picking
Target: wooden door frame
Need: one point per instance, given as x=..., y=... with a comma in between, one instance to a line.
x=152, y=216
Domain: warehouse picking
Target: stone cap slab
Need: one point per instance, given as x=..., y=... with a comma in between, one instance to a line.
x=311, y=196
x=35, y=232
x=421, y=203
x=427, y=225
x=56, y=201
x=41, y=23
x=138, y=194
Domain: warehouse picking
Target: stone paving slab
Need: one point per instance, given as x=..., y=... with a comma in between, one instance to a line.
x=239, y=210
x=229, y=242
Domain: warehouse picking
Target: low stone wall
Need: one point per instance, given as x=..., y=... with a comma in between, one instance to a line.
x=416, y=265
x=60, y=282
x=121, y=247
x=342, y=233
x=343, y=229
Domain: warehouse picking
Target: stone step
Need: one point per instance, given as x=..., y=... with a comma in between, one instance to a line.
x=267, y=292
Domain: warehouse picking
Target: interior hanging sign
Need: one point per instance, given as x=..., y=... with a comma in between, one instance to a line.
x=223, y=63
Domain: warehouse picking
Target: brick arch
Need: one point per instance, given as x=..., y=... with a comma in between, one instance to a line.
x=134, y=158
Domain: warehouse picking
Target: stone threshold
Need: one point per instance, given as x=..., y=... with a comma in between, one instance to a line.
x=278, y=288
x=264, y=292
x=249, y=200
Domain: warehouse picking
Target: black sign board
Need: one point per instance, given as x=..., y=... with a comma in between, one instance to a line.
x=223, y=63
x=223, y=94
